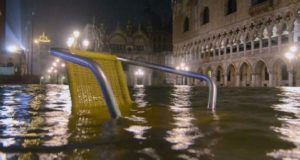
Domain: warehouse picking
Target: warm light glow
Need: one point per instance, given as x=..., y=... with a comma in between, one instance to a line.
x=55, y=71
x=85, y=43
x=183, y=67
x=290, y=56
x=63, y=65
x=36, y=41
x=54, y=64
x=139, y=72
x=42, y=77
x=294, y=49
x=76, y=34
x=70, y=41
x=12, y=48
x=57, y=60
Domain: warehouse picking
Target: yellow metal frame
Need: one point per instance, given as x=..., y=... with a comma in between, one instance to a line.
x=85, y=91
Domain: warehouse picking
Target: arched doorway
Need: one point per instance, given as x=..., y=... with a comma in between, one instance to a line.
x=220, y=76
x=262, y=74
x=245, y=75
x=231, y=76
x=281, y=75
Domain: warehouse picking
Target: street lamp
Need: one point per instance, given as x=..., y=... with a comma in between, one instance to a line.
x=85, y=43
x=139, y=74
x=291, y=56
x=76, y=33
x=41, y=79
x=70, y=42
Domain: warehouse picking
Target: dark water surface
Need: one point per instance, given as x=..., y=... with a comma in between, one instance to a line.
x=166, y=123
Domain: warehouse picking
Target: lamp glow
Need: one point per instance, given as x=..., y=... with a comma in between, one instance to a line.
x=70, y=41
x=139, y=72
x=76, y=34
x=293, y=49
x=85, y=43
x=12, y=48
x=290, y=56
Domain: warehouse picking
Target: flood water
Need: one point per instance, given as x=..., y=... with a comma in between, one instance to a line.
x=167, y=123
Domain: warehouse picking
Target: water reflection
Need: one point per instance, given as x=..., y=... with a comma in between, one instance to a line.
x=32, y=116
x=139, y=127
x=290, y=128
x=185, y=133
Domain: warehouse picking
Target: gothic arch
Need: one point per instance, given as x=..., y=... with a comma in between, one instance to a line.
x=280, y=72
x=245, y=72
x=220, y=75
x=262, y=73
x=231, y=72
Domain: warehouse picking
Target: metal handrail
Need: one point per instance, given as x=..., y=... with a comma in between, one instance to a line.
x=212, y=99
x=98, y=73
x=106, y=87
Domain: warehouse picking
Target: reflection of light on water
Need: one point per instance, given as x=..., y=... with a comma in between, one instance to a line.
x=138, y=131
x=290, y=128
x=185, y=133
x=150, y=152
x=58, y=98
x=32, y=118
x=139, y=96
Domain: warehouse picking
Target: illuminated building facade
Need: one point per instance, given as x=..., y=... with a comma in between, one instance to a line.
x=137, y=42
x=238, y=42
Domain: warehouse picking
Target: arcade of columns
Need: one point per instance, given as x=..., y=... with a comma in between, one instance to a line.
x=249, y=53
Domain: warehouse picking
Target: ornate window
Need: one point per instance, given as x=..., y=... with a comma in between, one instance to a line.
x=205, y=18
x=186, y=25
x=231, y=7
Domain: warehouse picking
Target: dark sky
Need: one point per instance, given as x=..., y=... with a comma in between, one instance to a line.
x=59, y=17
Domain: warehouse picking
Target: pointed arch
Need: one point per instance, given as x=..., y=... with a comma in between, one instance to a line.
x=220, y=75
x=262, y=73
x=245, y=74
x=280, y=72
x=231, y=75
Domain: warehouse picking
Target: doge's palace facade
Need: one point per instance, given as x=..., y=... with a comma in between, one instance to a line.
x=238, y=42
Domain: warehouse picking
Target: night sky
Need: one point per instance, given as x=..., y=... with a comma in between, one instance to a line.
x=59, y=17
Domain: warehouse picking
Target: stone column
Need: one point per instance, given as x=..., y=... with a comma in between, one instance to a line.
x=237, y=82
x=225, y=80
x=291, y=77
x=271, y=80
x=253, y=81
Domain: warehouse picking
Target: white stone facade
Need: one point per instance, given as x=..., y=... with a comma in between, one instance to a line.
x=238, y=42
